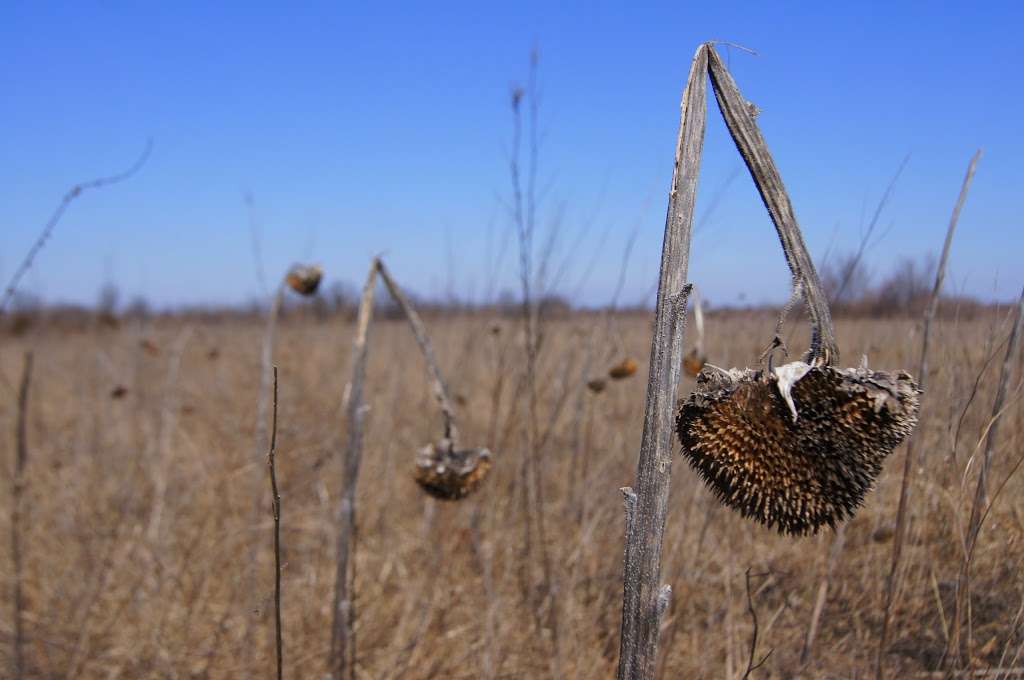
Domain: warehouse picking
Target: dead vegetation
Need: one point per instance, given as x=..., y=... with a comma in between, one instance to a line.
x=438, y=585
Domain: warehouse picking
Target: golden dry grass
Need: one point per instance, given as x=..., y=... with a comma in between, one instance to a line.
x=149, y=531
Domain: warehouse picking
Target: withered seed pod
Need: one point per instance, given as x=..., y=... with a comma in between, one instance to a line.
x=623, y=370
x=448, y=473
x=798, y=447
x=304, y=279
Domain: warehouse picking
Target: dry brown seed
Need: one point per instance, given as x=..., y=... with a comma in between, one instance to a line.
x=624, y=369
x=448, y=473
x=795, y=473
x=304, y=279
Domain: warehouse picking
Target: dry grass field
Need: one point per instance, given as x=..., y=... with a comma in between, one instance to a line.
x=148, y=532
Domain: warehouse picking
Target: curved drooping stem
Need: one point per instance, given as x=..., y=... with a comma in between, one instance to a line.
x=438, y=385
x=739, y=117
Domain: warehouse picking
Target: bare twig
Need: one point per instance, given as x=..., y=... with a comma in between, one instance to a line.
x=851, y=267
x=909, y=463
x=18, y=516
x=751, y=665
x=638, y=644
x=978, y=510
x=343, y=607
x=275, y=499
x=72, y=193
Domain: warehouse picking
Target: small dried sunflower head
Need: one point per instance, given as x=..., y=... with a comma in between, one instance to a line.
x=304, y=279
x=624, y=369
x=798, y=447
x=449, y=473
x=693, y=363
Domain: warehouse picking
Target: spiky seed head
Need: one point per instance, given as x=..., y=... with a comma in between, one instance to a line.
x=623, y=369
x=798, y=447
x=693, y=363
x=449, y=473
x=304, y=279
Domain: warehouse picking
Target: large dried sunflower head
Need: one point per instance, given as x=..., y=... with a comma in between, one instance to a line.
x=797, y=447
x=304, y=279
x=449, y=473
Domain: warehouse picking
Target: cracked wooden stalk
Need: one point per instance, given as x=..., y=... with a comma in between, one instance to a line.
x=342, y=633
x=739, y=118
x=643, y=597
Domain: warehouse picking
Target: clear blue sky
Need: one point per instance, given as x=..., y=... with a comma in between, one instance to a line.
x=366, y=128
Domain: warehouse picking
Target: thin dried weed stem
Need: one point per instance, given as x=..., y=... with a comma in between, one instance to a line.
x=18, y=486
x=72, y=193
x=275, y=500
x=910, y=459
x=954, y=654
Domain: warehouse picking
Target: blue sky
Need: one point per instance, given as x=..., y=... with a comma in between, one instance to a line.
x=367, y=128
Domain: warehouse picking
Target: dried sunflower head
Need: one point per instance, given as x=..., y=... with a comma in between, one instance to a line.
x=449, y=473
x=624, y=369
x=799, y=446
x=304, y=279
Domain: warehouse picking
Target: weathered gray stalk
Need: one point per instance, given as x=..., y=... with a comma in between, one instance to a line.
x=978, y=507
x=643, y=597
x=438, y=385
x=18, y=516
x=343, y=645
x=910, y=460
x=739, y=118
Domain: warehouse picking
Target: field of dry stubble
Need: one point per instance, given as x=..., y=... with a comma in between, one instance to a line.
x=148, y=544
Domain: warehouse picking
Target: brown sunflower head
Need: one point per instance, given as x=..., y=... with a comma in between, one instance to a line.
x=449, y=473
x=797, y=447
x=304, y=279
x=624, y=369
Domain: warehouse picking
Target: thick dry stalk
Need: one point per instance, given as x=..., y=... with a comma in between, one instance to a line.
x=72, y=193
x=275, y=500
x=645, y=528
x=438, y=384
x=739, y=118
x=963, y=581
x=910, y=460
x=18, y=516
x=343, y=607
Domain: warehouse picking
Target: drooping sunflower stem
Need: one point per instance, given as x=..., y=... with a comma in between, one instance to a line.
x=739, y=115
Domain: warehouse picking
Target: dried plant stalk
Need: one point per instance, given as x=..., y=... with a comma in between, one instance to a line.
x=343, y=607
x=442, y=469
x=739, y=118
x=643, y=600
x=275, y=500
x=438, y=385
x=953, y=652
x=18, y=517
x=910, y=459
